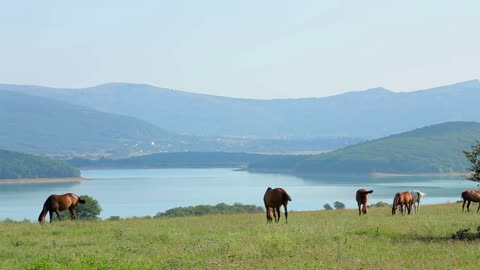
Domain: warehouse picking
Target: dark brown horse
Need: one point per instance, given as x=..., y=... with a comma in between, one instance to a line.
x=470, y=196
x=56, y=203
x=362, y=198
x=402, y=199
x=274, y=198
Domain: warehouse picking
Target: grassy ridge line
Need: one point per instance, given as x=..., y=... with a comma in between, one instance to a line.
x=312, y=240
x=432, y=149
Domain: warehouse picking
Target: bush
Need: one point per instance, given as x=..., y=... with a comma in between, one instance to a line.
x=327, y=206
x=201, y=210
x=379, y=204
x=339, y=205
x=465, y=234
x=90, y=210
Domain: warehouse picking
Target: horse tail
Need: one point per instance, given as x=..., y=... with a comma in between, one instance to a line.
x=81, y=201
x=285, y=196
x=370, y=191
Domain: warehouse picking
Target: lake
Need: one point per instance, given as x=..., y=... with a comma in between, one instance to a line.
x=127, y=193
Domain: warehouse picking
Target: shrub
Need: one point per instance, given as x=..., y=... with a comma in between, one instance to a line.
x=327, y=206
x=201, y=210
x=339, y=205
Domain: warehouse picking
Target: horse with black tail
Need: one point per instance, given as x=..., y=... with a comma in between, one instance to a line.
x=56, y=203
x=273, y=199
x=362, y=198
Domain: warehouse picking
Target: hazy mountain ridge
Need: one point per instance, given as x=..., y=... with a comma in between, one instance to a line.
x=42, y=125
x=371, y=113
x=46, y=126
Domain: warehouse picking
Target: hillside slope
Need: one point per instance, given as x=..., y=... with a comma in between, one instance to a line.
x=20, y=165
x=432, y=149
x=45, y=126
x=370, y=114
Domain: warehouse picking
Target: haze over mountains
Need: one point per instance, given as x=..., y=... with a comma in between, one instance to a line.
x=47, y=126
x=121, y=119
x=362, y=114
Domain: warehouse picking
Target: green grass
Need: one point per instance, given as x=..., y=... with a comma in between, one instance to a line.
x=336, y=239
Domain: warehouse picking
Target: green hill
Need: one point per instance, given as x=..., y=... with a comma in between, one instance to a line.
x=19, y=165
x=44, y=126
x=432, y=149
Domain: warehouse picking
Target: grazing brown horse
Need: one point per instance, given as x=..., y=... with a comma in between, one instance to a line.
x=274, y=198
x=470, y=196
x=362, y=198
x=402, y=199
x=56, y=203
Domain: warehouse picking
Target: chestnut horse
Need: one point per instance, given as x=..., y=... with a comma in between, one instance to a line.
x=56, y=203
x=402, y=199
x=274, y=198
x=362, y=198
x=416, y=197
x=470, y=196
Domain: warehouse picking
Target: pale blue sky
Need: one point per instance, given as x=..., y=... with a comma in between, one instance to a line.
x=244, y=48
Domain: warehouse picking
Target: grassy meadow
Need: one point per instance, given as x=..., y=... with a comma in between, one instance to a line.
x=335, y=239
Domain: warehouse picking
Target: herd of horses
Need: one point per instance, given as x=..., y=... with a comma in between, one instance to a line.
x=273, y=199
x=406, y=200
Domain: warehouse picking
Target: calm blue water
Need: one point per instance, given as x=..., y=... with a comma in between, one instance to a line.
x=127, y=193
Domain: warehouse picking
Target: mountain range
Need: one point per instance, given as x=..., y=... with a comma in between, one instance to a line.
x=368, y=114
x=52, y=127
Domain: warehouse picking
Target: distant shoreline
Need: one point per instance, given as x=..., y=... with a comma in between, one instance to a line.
x=452, y=174
x=41, y=180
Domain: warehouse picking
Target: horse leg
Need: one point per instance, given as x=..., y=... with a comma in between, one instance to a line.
x=51, y=216
x=478, y=207
x=365, y=208
x=468, y=206
x=463, y=205
x=73, y=215
x=58, y=214
x=286, y=212
x=278, y=214
x=359, y=211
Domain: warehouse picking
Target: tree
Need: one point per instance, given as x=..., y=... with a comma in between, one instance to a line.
x=90, y=209
x=474, y=157
x=339, y=205
x=327, y=206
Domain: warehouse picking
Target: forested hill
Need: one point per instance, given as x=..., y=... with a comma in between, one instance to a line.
x=433, y=149
x=18, y=165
